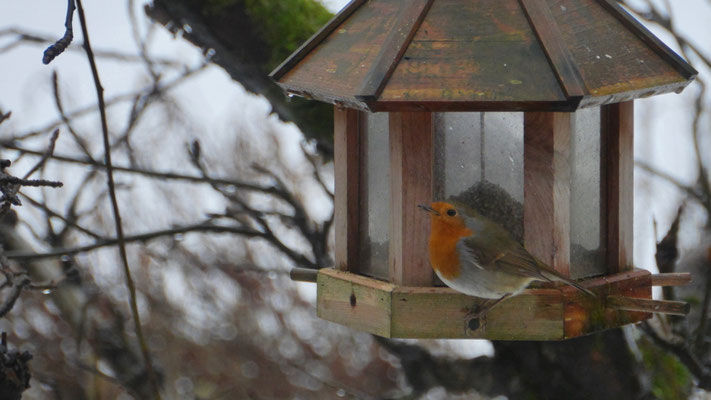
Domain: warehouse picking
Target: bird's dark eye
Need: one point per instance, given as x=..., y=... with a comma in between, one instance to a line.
x=451, y=212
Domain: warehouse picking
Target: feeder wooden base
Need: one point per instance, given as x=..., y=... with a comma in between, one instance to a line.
x=555, y=313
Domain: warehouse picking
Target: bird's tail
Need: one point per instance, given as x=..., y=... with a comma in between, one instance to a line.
x=553, y=275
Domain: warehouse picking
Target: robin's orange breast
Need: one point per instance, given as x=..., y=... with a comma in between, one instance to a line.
x=443, y=248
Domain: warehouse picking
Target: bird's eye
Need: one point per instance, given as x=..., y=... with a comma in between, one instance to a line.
x=451, y=212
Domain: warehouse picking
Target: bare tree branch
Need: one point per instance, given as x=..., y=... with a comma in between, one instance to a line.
x=188, y=73
x=114, y=205
x=43, y=206
x=3, y=116
x=143, y=237
x=10, y=185
x=60, y=45
x=689, y=190
x=65, y=119
x=28, y=182
x=277, y=190
x=26, y=37
x=16, y=287
x=45, y=156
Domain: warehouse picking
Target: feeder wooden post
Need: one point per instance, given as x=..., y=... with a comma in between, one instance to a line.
x=348, y=124
x=546, y=205
x=411, y=164
x=618, y=157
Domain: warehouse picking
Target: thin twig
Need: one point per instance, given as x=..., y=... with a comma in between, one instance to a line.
x=46, y=155
x=689, y=190
x=60, y=45
x=114, y=205
x=118, y=99
x=653, y=15
x=29, y=182
x=64, y=219
x=143, y=237
x=67, y=122
x=149, y=173
x=37, y=38
x=15, y=290
x=317, y=176
x=141, y=42
x=3, y=117
x=257, y=216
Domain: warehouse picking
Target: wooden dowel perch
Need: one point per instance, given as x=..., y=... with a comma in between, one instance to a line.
x=671, y=279
x=303, y=274
x=648, y=305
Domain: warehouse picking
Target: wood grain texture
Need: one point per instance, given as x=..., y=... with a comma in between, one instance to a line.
x=585, y=315
x=671, y=279
x=473, y=51
x=411, y=173
x=411, y=14
x=355, y=301
x=546, y=205
x=339, y=64
x=483, y=55
x=315, y=39
x=429, y=313
x=438, y=312
x=649, y=39
x=618, y=147
x=611, y=58
x=346, y=151
x=546, y=29
x=648, y=305
x=446, y=105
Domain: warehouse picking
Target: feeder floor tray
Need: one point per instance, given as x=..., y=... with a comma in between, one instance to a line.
x=558, y=313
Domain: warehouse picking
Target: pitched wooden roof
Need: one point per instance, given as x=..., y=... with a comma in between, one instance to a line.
x=480, y=55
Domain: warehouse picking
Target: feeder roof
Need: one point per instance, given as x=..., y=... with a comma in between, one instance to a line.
x=482, y=55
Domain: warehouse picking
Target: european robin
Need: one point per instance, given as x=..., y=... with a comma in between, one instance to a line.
x=478, y=257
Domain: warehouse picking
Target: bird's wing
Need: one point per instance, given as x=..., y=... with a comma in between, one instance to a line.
x=520, y=262
x=498, y=251
x=467, y=256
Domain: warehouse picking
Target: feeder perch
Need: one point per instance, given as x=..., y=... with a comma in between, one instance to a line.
x=522, y=109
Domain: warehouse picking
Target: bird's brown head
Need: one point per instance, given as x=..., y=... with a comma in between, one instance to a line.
x=447, y=220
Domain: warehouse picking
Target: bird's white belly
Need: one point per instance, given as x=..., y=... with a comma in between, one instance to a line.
x=486, y=284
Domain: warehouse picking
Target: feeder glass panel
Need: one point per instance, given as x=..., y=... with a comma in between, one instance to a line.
x=587, y=250
x=375, y=197
x=479, y=161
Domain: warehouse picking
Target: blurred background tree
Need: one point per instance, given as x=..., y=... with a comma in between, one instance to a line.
x=221, y=196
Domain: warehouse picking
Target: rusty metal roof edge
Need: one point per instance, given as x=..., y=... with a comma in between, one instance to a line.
x=592, y=101
x=654, y=43
x=372, y=104
x=335, y=99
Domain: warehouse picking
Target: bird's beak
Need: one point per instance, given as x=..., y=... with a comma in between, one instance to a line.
x=428, y=209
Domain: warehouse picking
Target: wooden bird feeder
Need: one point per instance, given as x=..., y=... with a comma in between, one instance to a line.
x=522, y=109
